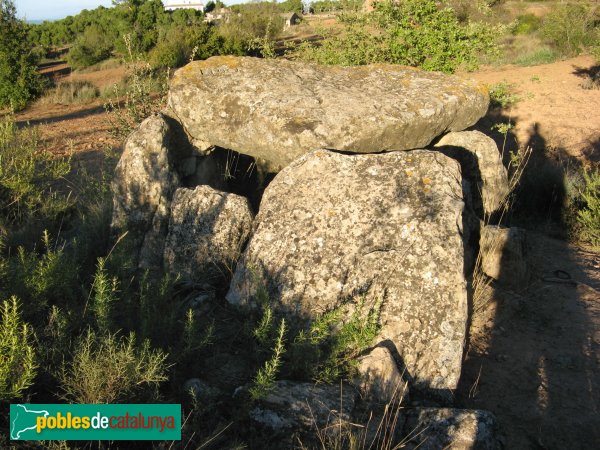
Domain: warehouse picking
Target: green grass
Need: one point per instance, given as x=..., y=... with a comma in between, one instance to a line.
x=544, y=55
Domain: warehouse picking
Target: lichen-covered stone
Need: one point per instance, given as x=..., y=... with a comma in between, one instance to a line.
x=481, y=164
x=504, y=255
x=456, y=429
x=143, y=186
x=379, y=379
x=306, y=408
x=207, y=230
x=333, y=228
x=277, y=110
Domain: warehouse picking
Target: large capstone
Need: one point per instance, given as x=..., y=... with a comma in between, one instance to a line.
x=207, y=231
x=334, y=229
x=143, y=186
x=277, y=110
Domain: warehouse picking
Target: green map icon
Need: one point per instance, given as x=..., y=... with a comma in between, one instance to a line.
x=23, y=420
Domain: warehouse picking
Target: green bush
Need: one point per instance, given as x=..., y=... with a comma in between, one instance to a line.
x=414, y=32
x=588, y=215
x=570, y=28
x=28, y=178
x=19, y=80
x=112, y=369
x=527, y=24
x=168, y=54
x=17, y=355
x=93, y=46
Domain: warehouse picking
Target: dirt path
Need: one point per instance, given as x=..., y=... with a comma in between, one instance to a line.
x=553, y=106
x=534, y=355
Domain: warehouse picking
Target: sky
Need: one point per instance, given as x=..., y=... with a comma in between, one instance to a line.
x=54, y=9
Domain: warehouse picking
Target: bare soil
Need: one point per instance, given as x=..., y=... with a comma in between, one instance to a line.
x=533, y=356
x=553, y=107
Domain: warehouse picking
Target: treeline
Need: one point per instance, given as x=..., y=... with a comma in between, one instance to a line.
x=168, y=38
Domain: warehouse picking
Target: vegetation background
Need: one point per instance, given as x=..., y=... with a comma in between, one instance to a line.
x=79, y=324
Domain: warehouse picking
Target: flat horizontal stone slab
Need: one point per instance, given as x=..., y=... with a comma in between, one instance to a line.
x=277, y=110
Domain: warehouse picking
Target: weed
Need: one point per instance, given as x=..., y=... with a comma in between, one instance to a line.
x=74, y=91
x=266, y=376
x=526, y=24
x=327, y=350
x=104, y=290
x=501, y=95
x=588, y=215
x=112, y=369
x=17, y=356
x=139, y=101
x=537, y=57
x=29, y=178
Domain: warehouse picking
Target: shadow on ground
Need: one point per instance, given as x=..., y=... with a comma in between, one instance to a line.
x=534, y=352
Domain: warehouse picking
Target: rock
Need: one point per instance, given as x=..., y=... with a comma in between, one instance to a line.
x=436, y=428
x=379, y=379
x=207, y=231
x=336, y=228
x=481, y=164
x=503, y=255
x=306, y=407
x=143, y=186
x=277, y=110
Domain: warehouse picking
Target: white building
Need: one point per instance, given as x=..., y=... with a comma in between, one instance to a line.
x=172, y=5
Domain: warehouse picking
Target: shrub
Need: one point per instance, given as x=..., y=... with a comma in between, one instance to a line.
x=28, y=178
x=570, y=27
x=501, y=95
x=17, y=355
x=413, y=32
x=19, y=80
x=527, y=24
x=168, y=54
x=41, y=278
x=112, y=369
x=589, y=214
x=93, y=46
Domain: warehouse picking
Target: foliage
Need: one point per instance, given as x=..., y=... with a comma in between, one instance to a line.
x=254, y=29
x=139, y=101
x=19, y=81
x=91, y=47
x=17, y=355
x=588, y=215
x=501, y=95
x=266, y=376
x=571, y=27
x=326, y=351
x=543, y=55
x=28, y=178
x=526, y=24
x=113, y=369
x=104, y=291
x=413, y=32
x=41, y=278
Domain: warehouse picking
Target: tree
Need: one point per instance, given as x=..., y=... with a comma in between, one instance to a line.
x=19, y=80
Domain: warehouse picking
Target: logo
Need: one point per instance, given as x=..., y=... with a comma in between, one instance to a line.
x=95, y=422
